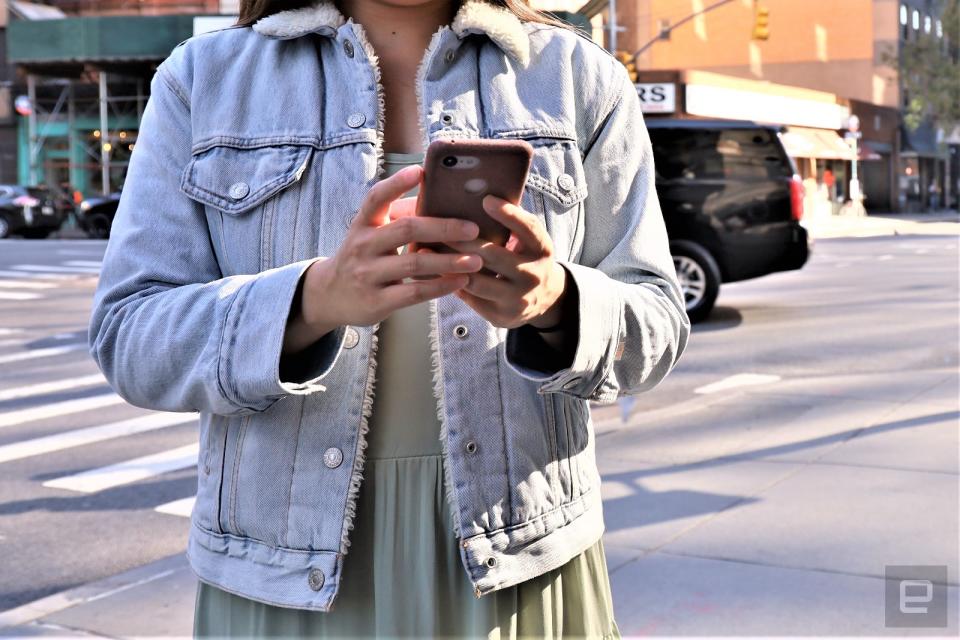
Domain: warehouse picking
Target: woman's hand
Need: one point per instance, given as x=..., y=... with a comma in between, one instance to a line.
x=363, y=283
x=521, y=282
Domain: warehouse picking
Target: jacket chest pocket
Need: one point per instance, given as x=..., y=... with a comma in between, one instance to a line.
x=555, y=190
x=252, y=197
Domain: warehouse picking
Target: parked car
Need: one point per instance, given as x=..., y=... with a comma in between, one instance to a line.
x=732, y=202
x=32, y=212
x=95, y=214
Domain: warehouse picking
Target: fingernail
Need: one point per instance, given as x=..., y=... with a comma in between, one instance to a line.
x=471, y=230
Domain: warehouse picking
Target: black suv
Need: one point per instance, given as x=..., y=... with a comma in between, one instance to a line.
x=33, y=212
x=732, y=203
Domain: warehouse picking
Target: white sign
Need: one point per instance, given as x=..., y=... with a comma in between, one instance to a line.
x=657, y=97
x=206, y=24
x=743, y=104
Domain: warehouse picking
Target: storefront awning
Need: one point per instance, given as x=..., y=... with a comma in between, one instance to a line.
x=805, y=142
x=921, y=141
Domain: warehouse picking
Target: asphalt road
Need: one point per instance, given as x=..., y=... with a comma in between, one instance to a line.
x=875, y=312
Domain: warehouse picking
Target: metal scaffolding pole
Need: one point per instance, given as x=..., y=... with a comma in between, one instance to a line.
x=33, y=149
x=104, y=138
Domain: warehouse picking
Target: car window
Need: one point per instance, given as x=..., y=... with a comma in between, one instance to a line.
x=693, y=154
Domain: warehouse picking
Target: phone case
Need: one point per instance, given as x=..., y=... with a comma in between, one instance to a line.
x=497, y=167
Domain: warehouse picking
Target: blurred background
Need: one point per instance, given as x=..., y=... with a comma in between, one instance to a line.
x=799, y=465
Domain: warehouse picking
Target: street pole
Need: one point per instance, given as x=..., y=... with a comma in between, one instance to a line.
x=612, y=24
x=33, y=151
x=104, y=153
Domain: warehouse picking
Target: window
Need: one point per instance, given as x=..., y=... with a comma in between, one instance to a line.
x=903, y=15
x=926, y=24
x=915, y=22
x=939, y=28
x=689, y=154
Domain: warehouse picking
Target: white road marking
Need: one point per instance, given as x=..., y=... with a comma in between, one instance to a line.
x=39, y=276
x=53, y=269
x=89, y=253
x=182, y=507
x=921, y=251
x=95, y=264
x=129, y=471
x=56, y=409
x=22, y=284
x=738, y=380
x=80, y=437
x=9, y=332
x=18, y=295
x=42, y=353
x=52, y=387
x=885, y=256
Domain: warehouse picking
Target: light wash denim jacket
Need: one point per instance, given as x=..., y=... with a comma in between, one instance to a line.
x=255, y=151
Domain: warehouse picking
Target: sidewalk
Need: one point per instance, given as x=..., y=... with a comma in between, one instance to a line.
x=885, y=224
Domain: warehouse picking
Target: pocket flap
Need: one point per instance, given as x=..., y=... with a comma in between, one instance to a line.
x=557, y=171
x=236, y=180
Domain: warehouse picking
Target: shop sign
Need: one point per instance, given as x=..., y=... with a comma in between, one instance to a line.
x=657, y=97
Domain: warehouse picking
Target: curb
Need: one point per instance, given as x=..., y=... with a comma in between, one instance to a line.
x=92, y=591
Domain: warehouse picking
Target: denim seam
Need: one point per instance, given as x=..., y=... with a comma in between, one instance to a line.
x=513, y=527
x=173, y=85
x=293, y=468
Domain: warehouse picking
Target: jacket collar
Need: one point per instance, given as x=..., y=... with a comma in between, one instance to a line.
x=474, y=16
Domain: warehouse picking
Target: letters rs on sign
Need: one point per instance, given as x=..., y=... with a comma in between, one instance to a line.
x=657, y=97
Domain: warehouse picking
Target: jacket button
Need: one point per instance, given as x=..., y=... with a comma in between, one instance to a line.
x=239, y=190
x=446, y=118
x=348, y=48
x=471, y=447
x=315, y=579
x=565, y=182
x=356, y=120
x=461, y=331
x=449, y=55
x=491, y=562
x=332, y=457
x=351, y=338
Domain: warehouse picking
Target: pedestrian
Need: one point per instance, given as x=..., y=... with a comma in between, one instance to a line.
x=391, y=443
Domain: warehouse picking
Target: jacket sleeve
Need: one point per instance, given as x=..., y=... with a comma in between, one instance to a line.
x=631, y=320
x=167, y=330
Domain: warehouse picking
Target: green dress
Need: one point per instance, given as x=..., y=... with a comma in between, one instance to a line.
x=403, y=576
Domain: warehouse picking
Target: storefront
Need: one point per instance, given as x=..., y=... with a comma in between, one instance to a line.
x=814, y=126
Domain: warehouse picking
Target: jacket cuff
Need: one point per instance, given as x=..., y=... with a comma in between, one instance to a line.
x=598, y=322
x=252, y=342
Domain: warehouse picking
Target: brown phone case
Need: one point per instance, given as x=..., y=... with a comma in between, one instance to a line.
x=455, y=188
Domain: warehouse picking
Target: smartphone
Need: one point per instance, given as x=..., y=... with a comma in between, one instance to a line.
x=459, y=173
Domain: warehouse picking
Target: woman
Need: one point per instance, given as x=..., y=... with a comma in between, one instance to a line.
x=256, y=273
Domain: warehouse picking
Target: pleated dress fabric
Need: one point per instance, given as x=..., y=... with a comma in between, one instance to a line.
x=403, y=576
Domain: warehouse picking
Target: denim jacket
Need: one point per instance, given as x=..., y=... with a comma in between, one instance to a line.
x=255, y=151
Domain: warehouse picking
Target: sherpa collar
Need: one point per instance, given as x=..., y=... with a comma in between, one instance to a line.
x=474, y=16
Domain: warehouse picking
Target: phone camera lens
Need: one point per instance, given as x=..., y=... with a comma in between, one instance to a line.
x=450, y=161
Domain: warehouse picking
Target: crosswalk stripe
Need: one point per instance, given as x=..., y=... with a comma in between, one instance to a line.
x=42, y=353
x=129, y=471
x=18, y=295
x=39, y=276
x=737, y=380
x=52, y=268
x=52, y=387
x=21, y=284
x=9, y=332
x=96, y=264
x=55, y=409
x=80, y=437
x=182, y=507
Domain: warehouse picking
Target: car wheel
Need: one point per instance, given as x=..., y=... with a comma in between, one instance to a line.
x=699, y=278
x=4, y=227
x=98, y=226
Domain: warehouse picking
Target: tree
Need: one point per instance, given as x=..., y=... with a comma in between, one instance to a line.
x=929, y=68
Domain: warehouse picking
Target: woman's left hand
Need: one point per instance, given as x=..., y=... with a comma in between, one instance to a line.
x=521, y=283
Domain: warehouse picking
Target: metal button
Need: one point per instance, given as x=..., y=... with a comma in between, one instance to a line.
x=461, y=331
x=315, y=579
x=491, y=562
x=356, y=120
x=449, y=55
x=446, y=118
x=348, y=48
x=351, y=338
x=565, y=182
x=332, y=457
x=239, y=190
x=471, y=447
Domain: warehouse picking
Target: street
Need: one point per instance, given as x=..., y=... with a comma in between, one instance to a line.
x=807, y=439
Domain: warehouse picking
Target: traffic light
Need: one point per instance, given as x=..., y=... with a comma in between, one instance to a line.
x=761, y=21
x=626, y=59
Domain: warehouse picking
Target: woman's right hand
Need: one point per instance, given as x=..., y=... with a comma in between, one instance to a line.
x=363, y=283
